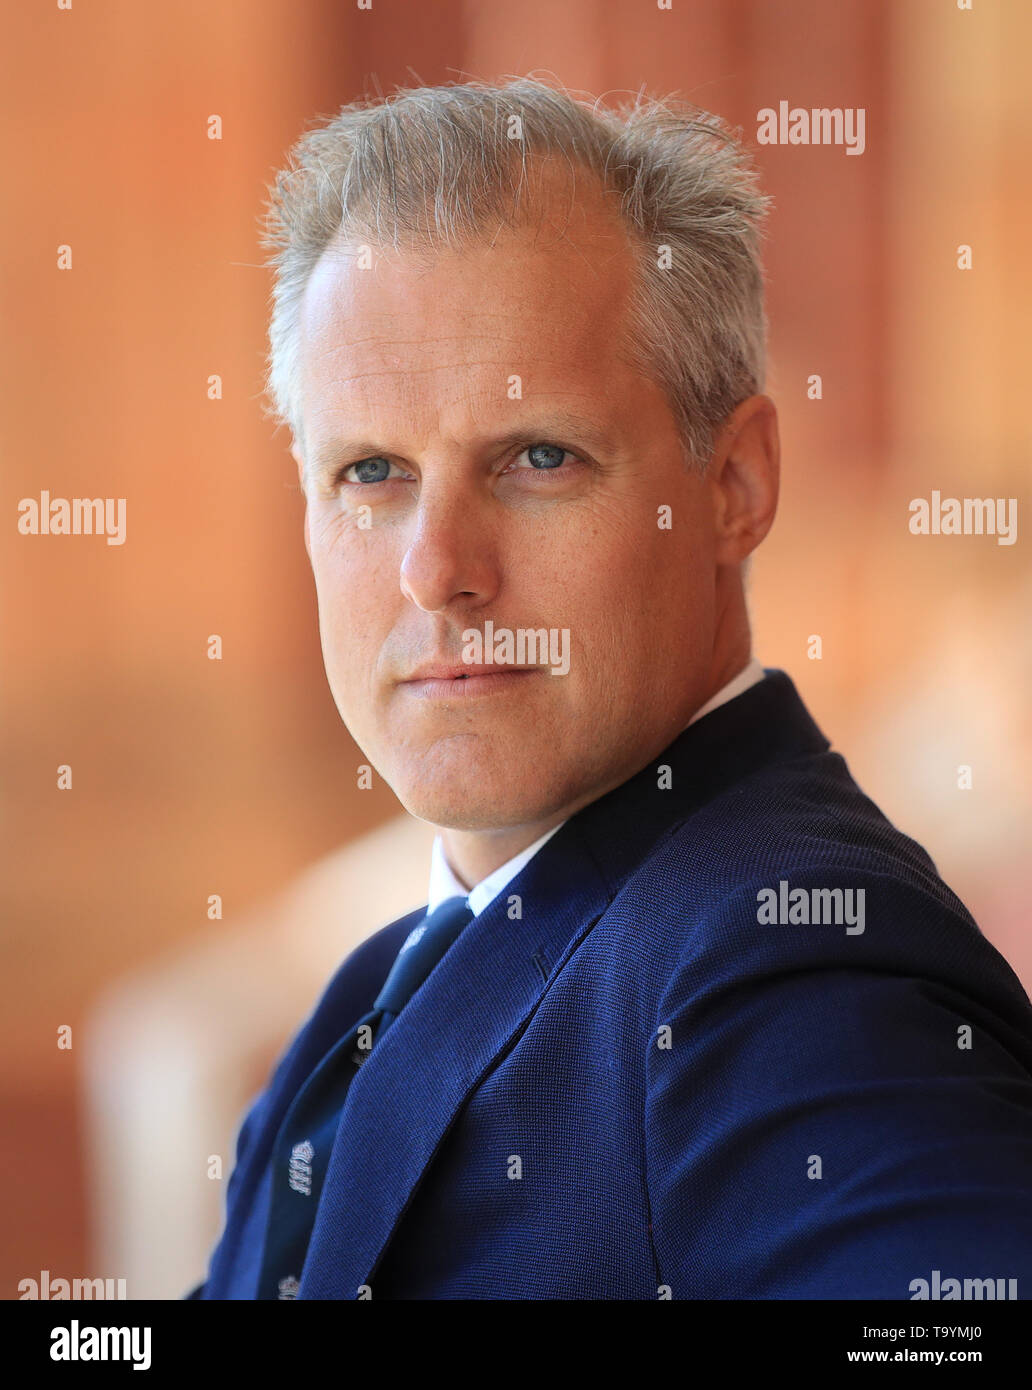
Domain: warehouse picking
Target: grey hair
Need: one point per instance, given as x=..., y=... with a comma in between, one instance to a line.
x=431, y=166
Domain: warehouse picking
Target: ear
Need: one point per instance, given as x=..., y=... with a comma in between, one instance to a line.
x=743, y=474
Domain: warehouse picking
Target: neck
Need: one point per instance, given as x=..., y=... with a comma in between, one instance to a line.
x=473, y=854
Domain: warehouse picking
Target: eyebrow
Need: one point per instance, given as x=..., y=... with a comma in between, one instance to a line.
x=558, y=427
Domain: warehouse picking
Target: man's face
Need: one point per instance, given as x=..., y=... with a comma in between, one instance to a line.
x=453, y=388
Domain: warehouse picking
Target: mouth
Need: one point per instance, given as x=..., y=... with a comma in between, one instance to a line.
x=468, y=686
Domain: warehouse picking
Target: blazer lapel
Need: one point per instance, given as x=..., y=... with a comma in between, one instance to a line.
x=346, y=998
x=406, y=1095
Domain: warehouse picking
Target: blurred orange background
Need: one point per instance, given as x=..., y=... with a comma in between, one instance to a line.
x=192, y=776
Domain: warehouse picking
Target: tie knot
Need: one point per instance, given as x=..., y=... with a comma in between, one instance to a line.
x=421, y=950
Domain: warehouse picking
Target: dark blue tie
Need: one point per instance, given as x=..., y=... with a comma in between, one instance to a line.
x=302, y=1149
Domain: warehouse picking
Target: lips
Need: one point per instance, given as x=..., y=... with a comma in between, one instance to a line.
x=467, y=684
x=450, y=672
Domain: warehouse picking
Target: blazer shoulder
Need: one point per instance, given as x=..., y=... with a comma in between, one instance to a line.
x=795, y=870
x=806, y=813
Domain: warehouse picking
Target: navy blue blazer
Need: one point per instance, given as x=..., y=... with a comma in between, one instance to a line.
x=651, y=1085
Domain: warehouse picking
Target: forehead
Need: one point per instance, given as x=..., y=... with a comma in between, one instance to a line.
x=545, y=301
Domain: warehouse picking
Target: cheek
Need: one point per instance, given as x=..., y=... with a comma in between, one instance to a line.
x=646, y=599
x=353, y=584
x=595, y=580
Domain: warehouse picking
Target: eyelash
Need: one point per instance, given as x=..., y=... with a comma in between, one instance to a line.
x=341, y=480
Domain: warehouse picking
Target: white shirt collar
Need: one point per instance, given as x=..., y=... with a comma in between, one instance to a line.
x=443, y=882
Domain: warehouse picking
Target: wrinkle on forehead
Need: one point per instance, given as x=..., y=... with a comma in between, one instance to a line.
x=567, y=290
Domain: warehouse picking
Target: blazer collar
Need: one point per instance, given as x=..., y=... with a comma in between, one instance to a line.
x=484, y=990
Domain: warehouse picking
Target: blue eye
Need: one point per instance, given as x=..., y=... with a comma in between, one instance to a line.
x=545, y=455
x=374, y=470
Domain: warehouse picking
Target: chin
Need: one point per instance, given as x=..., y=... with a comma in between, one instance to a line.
x=449, y=804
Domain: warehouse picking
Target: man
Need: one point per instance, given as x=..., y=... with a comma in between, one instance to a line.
x=684, y=1015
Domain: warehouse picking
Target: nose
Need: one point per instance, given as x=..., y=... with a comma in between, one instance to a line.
x=450, y=554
